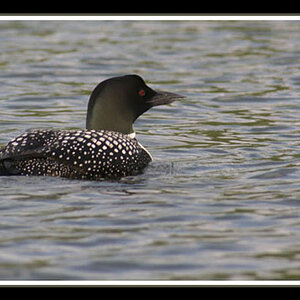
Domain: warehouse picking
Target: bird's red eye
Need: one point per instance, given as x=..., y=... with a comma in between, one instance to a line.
x=142, y=92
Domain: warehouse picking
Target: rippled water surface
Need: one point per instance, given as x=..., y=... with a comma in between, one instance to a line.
x=221, y=200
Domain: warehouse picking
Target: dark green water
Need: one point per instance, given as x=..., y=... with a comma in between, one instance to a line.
x=221, y=199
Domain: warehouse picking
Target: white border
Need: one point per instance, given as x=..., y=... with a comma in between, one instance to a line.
x=147, y=18
x=148, y=282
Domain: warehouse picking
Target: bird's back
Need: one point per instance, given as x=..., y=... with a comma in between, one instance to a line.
x=82, y=154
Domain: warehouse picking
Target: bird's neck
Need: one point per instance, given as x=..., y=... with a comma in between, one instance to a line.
x=106, y=117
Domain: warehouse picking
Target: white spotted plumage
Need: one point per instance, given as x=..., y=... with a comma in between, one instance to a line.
x=84, y=154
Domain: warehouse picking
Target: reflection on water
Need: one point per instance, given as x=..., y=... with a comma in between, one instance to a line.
x=220, y=200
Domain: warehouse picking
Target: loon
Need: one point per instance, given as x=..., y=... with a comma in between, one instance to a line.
x=106, y=149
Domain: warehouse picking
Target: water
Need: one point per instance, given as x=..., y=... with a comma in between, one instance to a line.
x=221, y=199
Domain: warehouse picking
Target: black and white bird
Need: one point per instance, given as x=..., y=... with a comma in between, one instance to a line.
x=107, y=148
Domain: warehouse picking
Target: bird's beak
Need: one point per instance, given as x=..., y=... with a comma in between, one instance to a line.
x=162, y=97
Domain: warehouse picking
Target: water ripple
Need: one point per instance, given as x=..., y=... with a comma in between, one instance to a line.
x=221, y=198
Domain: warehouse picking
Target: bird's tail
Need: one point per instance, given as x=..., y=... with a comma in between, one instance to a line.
x=4, y=171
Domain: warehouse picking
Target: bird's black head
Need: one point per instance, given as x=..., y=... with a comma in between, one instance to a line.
x=117, y=102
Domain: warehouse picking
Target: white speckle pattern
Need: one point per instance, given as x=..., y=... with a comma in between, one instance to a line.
x=83, y=154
